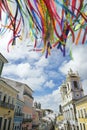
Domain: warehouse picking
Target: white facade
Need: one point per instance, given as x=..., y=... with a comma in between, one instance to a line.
x=71, y=90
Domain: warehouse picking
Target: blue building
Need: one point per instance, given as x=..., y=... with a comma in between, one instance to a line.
x=18, y=115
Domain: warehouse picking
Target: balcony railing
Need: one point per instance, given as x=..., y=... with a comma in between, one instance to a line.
x=25, y=120
x=26, y=93
x=18, y=114
x=86, y=116
x=6, y=105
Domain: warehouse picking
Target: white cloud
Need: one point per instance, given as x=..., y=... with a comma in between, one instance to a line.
x=79, y=62
x=24, y=72
x=50, y=84
x=35, y=83
x=42, y=62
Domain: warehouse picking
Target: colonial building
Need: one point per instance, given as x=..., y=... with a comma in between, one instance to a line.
x=8, y=97
x=71, y=91
x=81, y=110
x=19, y=104
x=27, y=109
x=24, y=120
x=35, y=118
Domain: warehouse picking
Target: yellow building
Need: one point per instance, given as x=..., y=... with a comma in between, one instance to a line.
x=59, y=122
x=60, y=118
x=81, y=109
x=7, y=103
x=7, y=100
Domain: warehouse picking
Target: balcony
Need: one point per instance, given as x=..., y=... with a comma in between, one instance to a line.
x=19, y=114
x=6, y=105
x=86, y=116
x=26, y=120
x=27, y=94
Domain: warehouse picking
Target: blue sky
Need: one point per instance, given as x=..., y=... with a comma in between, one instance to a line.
x=44, y=76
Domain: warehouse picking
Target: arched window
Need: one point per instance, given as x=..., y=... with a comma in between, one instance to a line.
x=75, y=84
x=0, y=95
x=4, y=99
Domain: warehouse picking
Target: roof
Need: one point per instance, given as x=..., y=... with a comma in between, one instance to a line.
x=14, y=83
x=84, y=98
x=3, y=58
x=8, y=85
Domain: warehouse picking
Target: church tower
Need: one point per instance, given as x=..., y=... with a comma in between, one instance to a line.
x=71, y=89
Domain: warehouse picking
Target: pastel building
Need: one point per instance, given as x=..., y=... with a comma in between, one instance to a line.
x=35, y=118
x=18, y=114
x=23, y=106
x=27, y=109
x=8, y=97
x=81, y=110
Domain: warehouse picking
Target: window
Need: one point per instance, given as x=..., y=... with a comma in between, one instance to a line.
x=13, y=101
x=4, y=99
x=9, y=99
x=0, y=122
x=9, y=123
x=0, y=95
x=78, y=114
x=5, y=122
x=72, y=114
x=81, y=113
x=75, y=84
x=80, y=126
x=1, y=66
x=84, y=127
x=68, y=86
x=77, y=127
x=84, y=110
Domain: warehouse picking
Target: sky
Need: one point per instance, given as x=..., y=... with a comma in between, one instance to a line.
x=44, y=76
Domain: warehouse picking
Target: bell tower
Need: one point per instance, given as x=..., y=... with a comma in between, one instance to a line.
x=72, y=88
